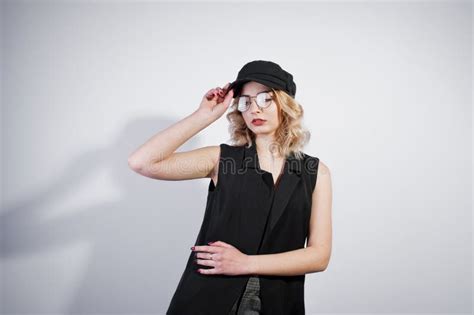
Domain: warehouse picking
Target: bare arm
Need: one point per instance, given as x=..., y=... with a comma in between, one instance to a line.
x=315, y=257
x=157, y=158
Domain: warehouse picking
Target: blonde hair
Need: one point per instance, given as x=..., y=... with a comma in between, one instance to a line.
x=290, y=136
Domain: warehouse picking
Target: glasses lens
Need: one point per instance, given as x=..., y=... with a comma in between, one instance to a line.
x=243, y=103
x=263, y=100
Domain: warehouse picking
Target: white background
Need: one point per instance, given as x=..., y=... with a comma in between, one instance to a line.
x=386, y=88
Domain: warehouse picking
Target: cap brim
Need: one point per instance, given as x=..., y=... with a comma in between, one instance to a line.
x=238, y=84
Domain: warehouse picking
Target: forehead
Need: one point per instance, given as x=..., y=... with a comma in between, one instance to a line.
x=252, y=88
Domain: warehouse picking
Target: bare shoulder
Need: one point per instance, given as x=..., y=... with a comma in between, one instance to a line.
x=213, y=174
x=314, y=165
x=323, y=179
x=214, y=152
x=323, y=169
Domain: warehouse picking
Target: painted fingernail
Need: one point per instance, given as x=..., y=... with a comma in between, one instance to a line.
x=192, y=248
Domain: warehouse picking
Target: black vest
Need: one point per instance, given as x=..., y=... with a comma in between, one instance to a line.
x=237, y=210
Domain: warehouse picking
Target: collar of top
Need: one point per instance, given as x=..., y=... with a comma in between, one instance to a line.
x=250, y=159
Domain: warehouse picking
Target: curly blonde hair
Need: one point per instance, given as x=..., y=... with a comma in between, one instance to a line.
x=290, y=136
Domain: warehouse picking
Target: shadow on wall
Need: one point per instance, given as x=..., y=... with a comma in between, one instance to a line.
x=139, y=243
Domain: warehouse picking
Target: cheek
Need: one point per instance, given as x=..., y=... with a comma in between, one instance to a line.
x=275, y=117
x=247, y=121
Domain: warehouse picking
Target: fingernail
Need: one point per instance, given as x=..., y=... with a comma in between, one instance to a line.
x=192, y=248
x=210, y=243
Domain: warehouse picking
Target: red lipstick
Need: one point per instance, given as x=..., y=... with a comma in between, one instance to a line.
x=258, y=121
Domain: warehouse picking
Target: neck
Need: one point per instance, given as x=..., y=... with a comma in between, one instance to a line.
x=267, y=145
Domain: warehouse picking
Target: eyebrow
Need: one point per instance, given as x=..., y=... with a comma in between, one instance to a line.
x=257, y=93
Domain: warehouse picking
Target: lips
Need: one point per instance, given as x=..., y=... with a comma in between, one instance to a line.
x=258, y=122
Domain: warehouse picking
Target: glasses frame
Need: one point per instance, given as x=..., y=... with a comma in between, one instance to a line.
x=254, y=97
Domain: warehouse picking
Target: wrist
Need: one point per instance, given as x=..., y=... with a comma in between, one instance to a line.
x=251, y=265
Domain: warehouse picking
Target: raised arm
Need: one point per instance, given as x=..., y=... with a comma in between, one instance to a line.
x=156, y=158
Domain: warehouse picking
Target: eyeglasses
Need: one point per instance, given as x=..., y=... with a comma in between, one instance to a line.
x=263, y=100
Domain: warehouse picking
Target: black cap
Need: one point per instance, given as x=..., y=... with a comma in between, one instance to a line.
x=267, y=73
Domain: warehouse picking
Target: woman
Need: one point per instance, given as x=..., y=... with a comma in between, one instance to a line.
x=266, y=198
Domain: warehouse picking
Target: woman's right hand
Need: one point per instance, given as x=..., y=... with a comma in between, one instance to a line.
x=215, y=102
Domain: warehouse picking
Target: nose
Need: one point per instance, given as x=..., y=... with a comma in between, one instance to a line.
x=254, y=107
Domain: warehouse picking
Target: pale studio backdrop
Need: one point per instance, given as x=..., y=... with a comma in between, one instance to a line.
x=386, y=89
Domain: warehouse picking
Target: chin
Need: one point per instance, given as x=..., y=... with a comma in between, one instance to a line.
x=262, y=131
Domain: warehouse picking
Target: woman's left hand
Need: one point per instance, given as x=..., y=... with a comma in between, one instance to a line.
x=225, y=258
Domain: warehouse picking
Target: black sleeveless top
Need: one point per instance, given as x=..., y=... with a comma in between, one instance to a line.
x=246, y=210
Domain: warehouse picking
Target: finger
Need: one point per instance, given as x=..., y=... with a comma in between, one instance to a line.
x=205, y=248
x=207, y=271
x=228, y=97
x=205, y=262
x=211, y=95
x=210, y=92
x=226, y=88
x=223, y=244
x=205, y=256
x=225, y=101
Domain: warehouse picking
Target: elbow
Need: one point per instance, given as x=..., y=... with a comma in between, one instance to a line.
x=319, y=267
x=324, y=264
x=143, y=168
x=321, y=261
x=134, y=164
x=323, y=267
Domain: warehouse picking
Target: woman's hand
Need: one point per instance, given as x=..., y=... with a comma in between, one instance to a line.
x=226, y=259
x=216, y=101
